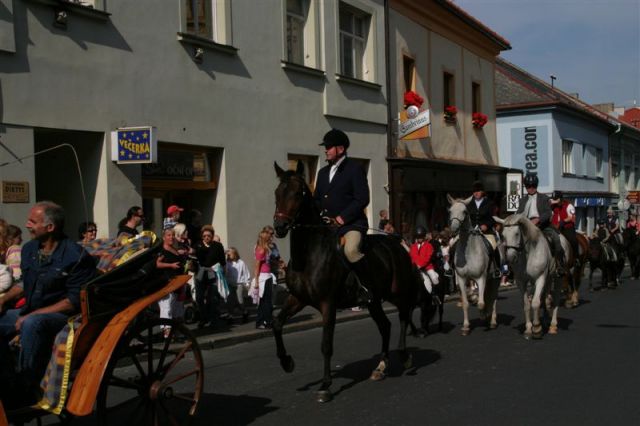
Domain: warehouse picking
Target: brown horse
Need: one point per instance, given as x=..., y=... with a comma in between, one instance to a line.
x=571, y=282
x=318, y=276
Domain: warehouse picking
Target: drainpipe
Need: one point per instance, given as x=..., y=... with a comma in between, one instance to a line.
x=390, y=128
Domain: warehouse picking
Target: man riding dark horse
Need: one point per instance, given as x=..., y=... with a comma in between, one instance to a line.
x=481, y=210
x=564, y=220
x=342, y=194
x=535, y=206
x=613, y=225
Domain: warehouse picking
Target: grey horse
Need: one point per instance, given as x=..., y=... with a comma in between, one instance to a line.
x=471, y=263
x=533, y=266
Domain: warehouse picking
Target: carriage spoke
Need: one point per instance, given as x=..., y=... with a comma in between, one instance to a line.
x=136, y=362
x=179, y=357
x=122, y=383
x=173, y=421
x=181, y=376
x=165, y=350
x=150, y=349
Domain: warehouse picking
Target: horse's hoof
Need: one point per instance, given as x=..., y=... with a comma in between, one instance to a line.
x=287, y=363
x=324, y=395
x=408, y=363
x=377, y=375
x=568, y=304
x=465, y=331
x=553, y=329
x=493, y=326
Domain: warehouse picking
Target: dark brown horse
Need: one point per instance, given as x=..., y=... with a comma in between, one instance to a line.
x=318, y=276
x=571, y=283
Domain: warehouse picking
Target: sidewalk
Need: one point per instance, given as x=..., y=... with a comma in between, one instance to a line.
x=231, y=334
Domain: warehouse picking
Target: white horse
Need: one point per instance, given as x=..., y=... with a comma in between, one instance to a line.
x=531, y=261
x=471, y=262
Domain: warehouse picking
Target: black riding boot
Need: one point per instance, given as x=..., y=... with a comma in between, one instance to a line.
x=560, y=269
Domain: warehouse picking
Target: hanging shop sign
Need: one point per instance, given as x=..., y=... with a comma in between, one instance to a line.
x=514, y=191
x=413, y=122
x=633, y=197
x=134, y=145
x=15, y=192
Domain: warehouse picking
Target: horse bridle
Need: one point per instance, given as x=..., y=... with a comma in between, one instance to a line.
x=520, y=246
x=291, y=220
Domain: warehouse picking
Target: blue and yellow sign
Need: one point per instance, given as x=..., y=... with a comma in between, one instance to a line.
x=134, y=145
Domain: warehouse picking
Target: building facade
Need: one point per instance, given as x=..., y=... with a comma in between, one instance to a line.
x=228, y=87
x=572, y=147
x=447, y=57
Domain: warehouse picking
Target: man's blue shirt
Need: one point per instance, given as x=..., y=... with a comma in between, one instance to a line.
x=59, y=276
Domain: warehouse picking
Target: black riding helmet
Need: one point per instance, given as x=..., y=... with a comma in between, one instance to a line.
x=557, y=195
x=530, y=180
x=421, y=232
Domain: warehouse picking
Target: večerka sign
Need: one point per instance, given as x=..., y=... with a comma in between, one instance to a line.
x=529, y=151
x=134, y=145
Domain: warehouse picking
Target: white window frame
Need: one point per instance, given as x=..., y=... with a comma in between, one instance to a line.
x=93, y=4
x=362, y=63
x=567, y=158
x=309, y=21
x=218, y=19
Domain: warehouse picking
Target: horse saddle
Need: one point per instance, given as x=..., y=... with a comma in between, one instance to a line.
x=460, y=256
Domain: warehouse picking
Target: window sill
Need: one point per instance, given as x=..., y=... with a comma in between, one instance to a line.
x=357, y=82
x=292, y=66
x=206, y=43
x=584, y=177
x=76, y=9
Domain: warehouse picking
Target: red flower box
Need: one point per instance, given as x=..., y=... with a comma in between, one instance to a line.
x=450, y=114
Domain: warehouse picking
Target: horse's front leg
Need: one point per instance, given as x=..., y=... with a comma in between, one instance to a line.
x=462, y=284
x=291, y=307
x=384, y=327
x=555, y=302
x=328, y=310
x=536, y=303
x=404, y=312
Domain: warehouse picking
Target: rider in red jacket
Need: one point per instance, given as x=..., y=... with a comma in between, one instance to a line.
x=421, y=254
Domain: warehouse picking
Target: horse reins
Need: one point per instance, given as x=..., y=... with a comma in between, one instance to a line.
x=520, y=246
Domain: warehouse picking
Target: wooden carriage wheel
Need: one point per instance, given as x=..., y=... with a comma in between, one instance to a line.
x=152, y=380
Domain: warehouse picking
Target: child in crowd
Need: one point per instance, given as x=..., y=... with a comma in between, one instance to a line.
x=238, y=278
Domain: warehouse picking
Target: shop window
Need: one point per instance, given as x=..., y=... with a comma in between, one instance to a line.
x=567, y=157
x=356, y=50
x=208, y=19
x=310, y=163
x=301, y=33
x=448, y=97
x=409, y=70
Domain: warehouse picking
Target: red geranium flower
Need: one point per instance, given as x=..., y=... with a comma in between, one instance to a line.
x=450, y=110
x=479, y=119
x=412, y=98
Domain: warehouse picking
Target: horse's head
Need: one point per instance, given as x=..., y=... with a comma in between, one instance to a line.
x=457, y=213
x=512, y=235
x=290, y=196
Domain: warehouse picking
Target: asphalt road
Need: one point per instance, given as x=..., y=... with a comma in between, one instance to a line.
x=588, y=374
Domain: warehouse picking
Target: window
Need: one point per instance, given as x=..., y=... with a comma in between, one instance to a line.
x=409, y=70
x=96, y=4
x=599, y=163
x=310, y=163
x=476, y=103
x=636, y=180
x=354, y=33
x=615, y=176
x=208, y=19
x=567, y=158
x=628, y=180
x=447, y=90
x=301, y=38
x=296, y=18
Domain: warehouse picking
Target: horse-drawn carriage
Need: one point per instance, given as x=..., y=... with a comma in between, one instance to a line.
x=113, y=358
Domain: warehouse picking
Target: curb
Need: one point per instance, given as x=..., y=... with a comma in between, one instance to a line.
x=210, y=342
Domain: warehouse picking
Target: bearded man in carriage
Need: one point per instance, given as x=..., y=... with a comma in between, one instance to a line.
x=53, y=269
